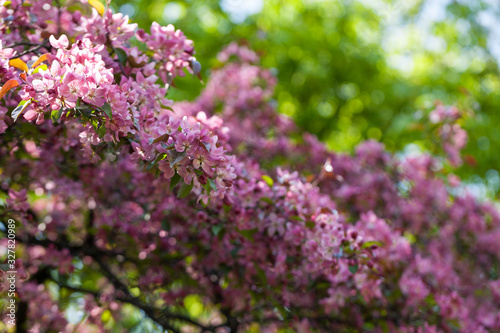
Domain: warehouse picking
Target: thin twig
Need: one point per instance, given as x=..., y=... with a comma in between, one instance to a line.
x=35, y=49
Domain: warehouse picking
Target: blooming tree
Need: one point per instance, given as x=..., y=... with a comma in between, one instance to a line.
x=134, y=213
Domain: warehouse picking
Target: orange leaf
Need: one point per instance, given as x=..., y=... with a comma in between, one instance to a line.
x=23, y=76
x=40, y=60
x=18, y=63
x=8, y=86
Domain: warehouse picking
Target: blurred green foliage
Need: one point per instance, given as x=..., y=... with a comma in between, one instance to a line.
x=353, y=70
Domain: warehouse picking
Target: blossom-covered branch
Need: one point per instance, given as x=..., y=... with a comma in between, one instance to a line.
x=221, y=216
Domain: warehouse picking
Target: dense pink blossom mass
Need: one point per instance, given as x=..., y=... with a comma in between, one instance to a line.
x=216, y=215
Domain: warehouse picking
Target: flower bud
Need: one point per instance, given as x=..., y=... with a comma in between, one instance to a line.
x=203, y=179
x=227, y=201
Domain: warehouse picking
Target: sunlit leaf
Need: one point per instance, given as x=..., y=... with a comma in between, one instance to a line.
x=268, y=180
x=56, y=115
x=19, y=109
x=193, y=305
x=101, y=131
x=98, y=6
x=40, y=60
x=18, y=63
x=39, y=68
x=370, y=244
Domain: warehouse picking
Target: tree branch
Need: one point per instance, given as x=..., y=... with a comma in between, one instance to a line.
x=160, y=316
x=35, y=49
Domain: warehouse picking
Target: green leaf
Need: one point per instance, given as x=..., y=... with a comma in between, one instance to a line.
x=212, y=184
x=410, y=237
x=248, y=233
x=165, y=146
x=101, y=131
x=193, y=305
x=166, y=107
x=207, y=187
x=267, y=199
x=42, y=67
x=160, y=157
x=136, y=123
x=369, y=244
x=106, y=316
x=19, y=109
x=56, y=115
x=234, y=252
x=122, y=55
x=107, y=110
x=268, y=180
x=185, y=190
x=262, y=276
x=174, y=181
x=177, y=157
x=353, y=268
x=95, y=125
x=310, y=224
x=150, y=165
x=216, y=229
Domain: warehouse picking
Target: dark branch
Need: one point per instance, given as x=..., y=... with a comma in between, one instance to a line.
x=33, y=50
x=161, y=316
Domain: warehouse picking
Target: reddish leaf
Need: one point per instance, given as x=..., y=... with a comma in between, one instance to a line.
x=164, y=138
x=8, y=86
x=470, y=160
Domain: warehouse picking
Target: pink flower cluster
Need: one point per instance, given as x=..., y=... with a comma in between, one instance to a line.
x=402, y=205
x=171, y=49
x=78, y=84
x=75, y=75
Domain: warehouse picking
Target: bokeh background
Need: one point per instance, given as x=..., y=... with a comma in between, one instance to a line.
x=354, y=70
